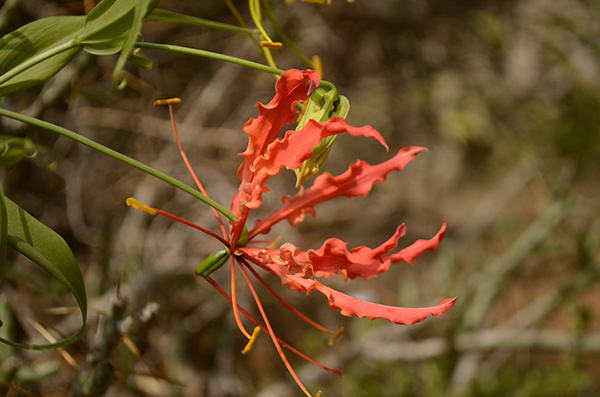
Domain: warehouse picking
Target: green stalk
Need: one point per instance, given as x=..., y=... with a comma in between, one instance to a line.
x=284, y=38
x=208, y=54
x=118, y=156
x=170, y=16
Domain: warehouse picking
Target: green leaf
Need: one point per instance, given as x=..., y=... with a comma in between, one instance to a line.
x=37, y=51
x=49, y=251
x=142, y=9
x=109, y=25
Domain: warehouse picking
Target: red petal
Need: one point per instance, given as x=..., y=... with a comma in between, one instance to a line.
x=356, y=181
x=414, y=251
x=334, y=258
x=350, y=306
x=293, y=86
x=290, y=152
x=296, y=146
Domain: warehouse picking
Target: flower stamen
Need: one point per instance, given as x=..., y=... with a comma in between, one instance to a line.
x=336, y=336
x=168, y=101
x=264, y=329
x=274, y=45
x=252, y=340
x=271, y=332
x=131, y=202
x=236, y=313
x=293, y=309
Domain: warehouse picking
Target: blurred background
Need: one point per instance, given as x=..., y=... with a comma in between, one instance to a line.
x=506, y=97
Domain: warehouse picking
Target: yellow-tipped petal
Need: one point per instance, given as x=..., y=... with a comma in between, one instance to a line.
x=252, y=340
x=142, y=207
x=336, y=336
x=274, y=45
x=168, y=101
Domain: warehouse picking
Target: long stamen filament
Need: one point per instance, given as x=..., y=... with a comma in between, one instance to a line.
x=290, y=307
x=271, y=332
x=236, y=313
x=155, y=211
x=188, y=223
x=169, y=102
x=264, y=329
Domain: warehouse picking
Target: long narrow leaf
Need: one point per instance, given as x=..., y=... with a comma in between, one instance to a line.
x=49, y=251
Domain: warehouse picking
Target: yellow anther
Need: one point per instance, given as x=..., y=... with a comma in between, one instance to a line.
x=274, y=45
x=137, y=205
x=318, y=394
x=336, y=336
x=318, y=64
x=168, y=101
x=252, y=340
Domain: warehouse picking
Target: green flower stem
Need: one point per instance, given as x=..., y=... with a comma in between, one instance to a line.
x=37, y=59
x=255, y=13
x=169, y=16
x=208, y=54
x=265, y=51
x=118, y=156
x=284, y=38
x=220, y=57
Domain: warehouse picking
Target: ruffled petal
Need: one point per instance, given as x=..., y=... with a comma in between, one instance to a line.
x=356, y=181
x=335, y=258
x=350, y=306
x=411, y=253
x=292, y=87
x=296, y=147
x=290, y=152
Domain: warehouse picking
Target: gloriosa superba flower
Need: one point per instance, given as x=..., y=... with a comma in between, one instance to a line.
x=265, y=156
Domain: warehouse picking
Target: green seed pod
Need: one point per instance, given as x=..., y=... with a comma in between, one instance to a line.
x=212, y=262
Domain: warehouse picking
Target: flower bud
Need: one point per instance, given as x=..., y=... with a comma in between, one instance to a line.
x=321, y=106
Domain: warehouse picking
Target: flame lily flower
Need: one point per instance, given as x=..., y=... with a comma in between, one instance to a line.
x=304, y=271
